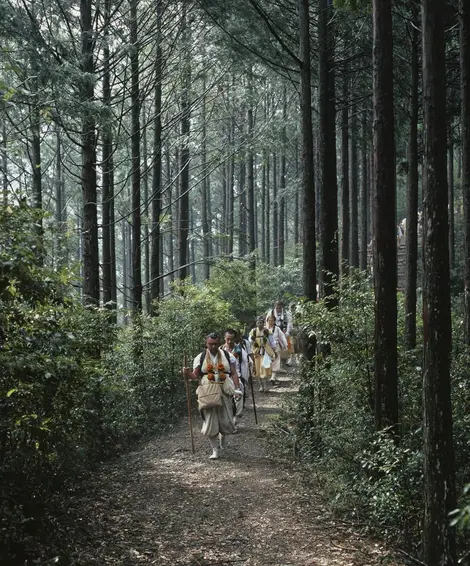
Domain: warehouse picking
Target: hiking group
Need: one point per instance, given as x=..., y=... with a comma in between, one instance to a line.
x=226, y=370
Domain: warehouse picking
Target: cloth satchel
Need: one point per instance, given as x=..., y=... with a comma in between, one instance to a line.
x=209, y=396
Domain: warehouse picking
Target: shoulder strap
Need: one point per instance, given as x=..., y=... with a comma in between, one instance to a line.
x=201, y=359
x=227, y=355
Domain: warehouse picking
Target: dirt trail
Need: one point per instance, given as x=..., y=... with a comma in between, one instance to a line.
x=163, y=505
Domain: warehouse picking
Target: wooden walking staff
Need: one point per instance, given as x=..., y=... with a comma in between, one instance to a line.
x=188, y=398
x=253, y=397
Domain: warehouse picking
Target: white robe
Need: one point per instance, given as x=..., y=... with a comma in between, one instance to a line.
x=219, y=419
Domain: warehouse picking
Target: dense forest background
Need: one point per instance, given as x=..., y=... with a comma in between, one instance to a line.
x=172, y=167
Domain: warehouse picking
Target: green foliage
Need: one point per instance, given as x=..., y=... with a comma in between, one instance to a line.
x=332, y=419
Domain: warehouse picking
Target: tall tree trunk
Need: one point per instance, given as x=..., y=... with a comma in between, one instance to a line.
x=250, y=164
x=108, y=228
x=353, y=165
x=327, y=154
x=206, y=233
x=231, y=190
x=282, y=181
x=345, y=177
x=385, y=248
x=275, y=214
x=146, y=231
x=450, y=184
x=263, y=207
x=268, y=211
x=308, y=183
x=4, y=164
x=364, y=197
x=297, y=219
x=465, y=152
x=412, y=201
x=91, y=283
x=60, y=218
x=135, y=173
x=242, y=248
x=156, y=233
x=183, y=231
x=439, y=547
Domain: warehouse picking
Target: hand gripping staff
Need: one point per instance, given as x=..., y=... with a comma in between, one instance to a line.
x=188, y=399
x=253, y=397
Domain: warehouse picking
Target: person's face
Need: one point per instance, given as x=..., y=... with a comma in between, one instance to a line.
x=230, y=339
x=271, y=321
x=279, y=307
x=213, y=345
x=260, y=324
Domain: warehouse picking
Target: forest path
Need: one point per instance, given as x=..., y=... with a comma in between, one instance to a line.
x=163, y=505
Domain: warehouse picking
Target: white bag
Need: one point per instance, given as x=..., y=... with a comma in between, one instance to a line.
x=266, y=361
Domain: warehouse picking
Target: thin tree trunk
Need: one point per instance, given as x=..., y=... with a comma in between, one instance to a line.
x=156, y=233
x=4, y=163
x=108, y=228
x=297, y=205
x=183, y=231
x=250, y=175
x=385, y=248
x=275, y=214
x=308, y=183
x=412, y=201
x=364, y=197
x=136, y=171
x=206, y=234
x=353, y=165
x=146, y=231
x=60, y=206
x=91, y=280
x=465, y=151
x=263, y=207
x=242, y=249
x=450, y=184
x=345, y=178
x=268, y=211
x=282, y=181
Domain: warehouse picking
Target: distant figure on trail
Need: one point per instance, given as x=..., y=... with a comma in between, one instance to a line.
x=284, y=322
x=263, y=353
x=278, y=342
x=282, y=318
x=215, y=366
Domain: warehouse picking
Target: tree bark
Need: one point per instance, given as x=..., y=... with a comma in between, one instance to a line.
x=465, y=152
x=353, y=184
x=91, y=282
x=439, y=547
x=107, y=206
x=450, y=185
x=156, y=232
x=308, y=183
x=282, y=182
x=136, y=170
x=327, y=154
x=250, y=174
x=412, y=201
x=183, y=230
x=385, y=248
x=364, y=196
x=345, y=178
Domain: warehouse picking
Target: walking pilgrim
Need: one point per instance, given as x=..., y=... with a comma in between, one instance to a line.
x=278, y=342
x=283, y=320
x=213, y=367
x=240, y=356
x=263, y=352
